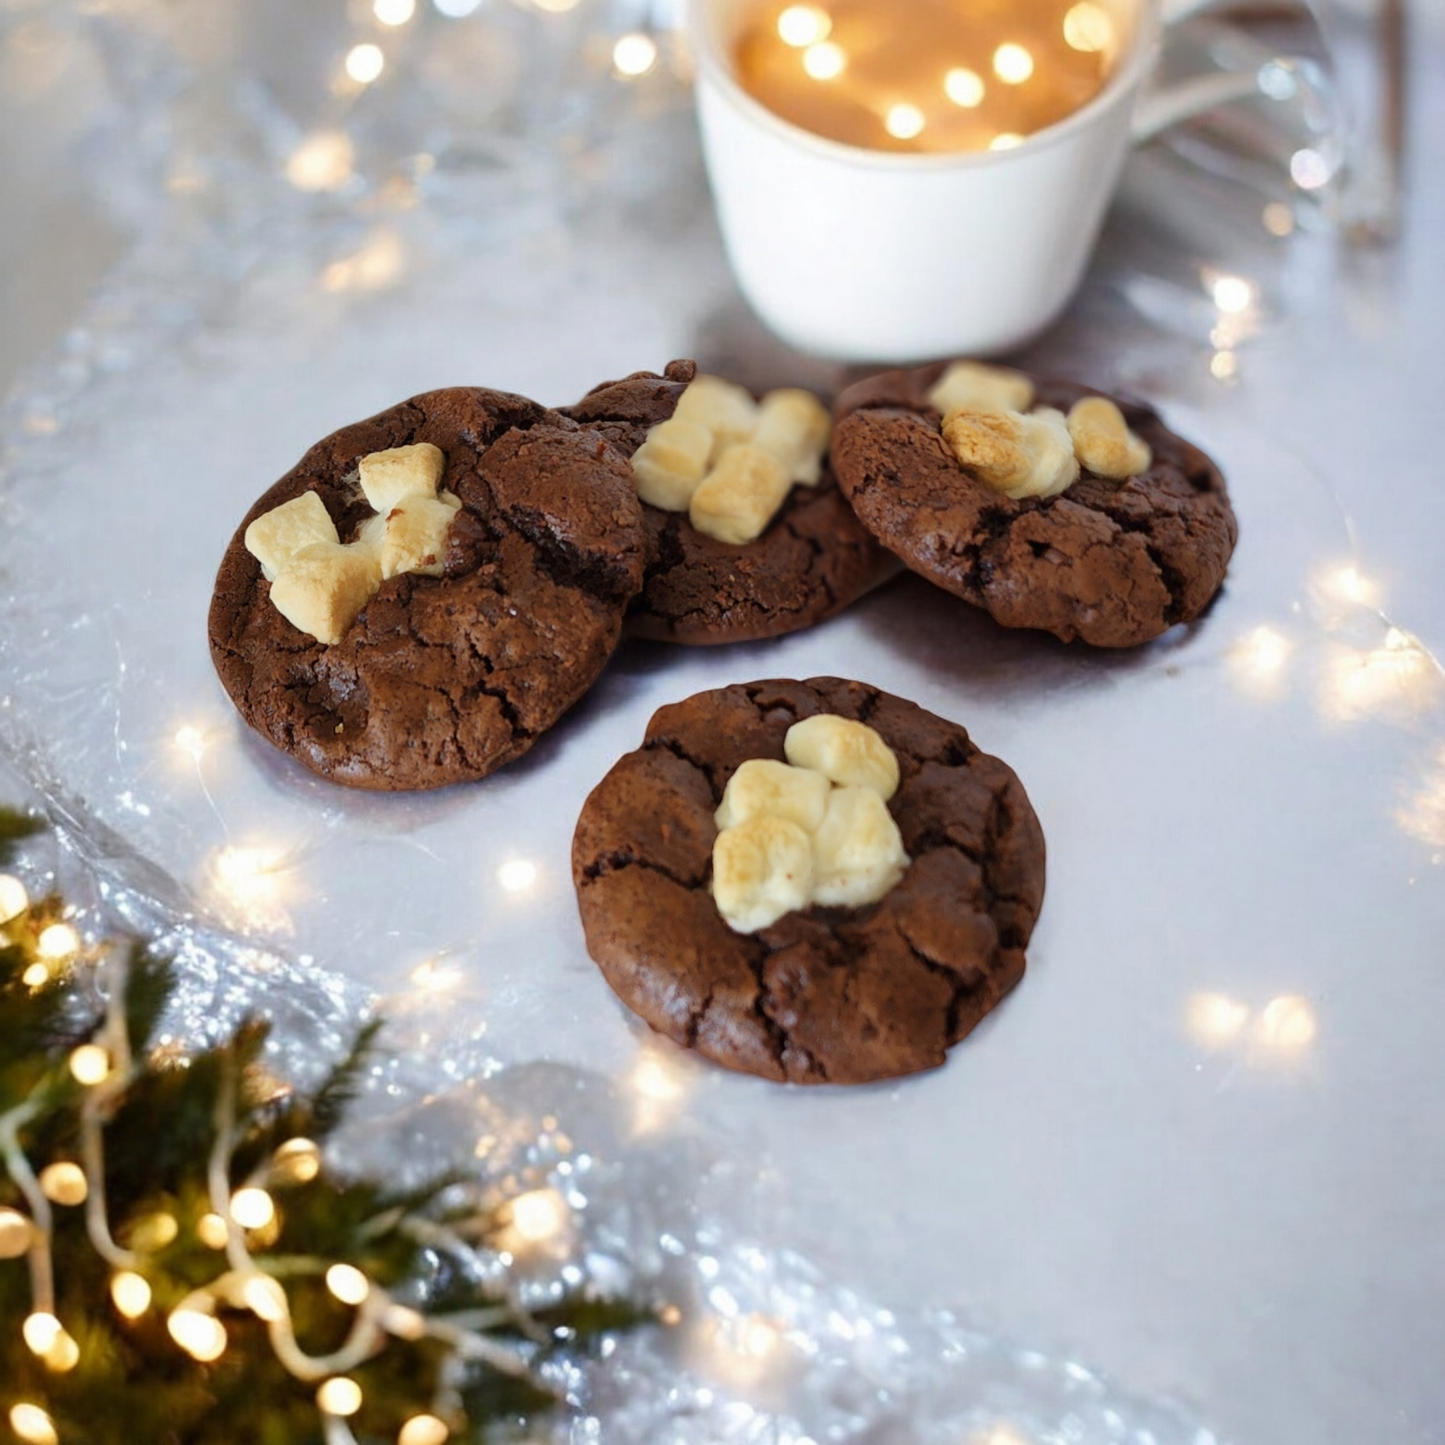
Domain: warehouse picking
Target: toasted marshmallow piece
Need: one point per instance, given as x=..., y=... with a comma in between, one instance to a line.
x=1015, y=455
x=416, y=535
x=727, y=410
x=390, y=476
x=741, y=495
x=1103, y=442
x=796, y=427
x=762, y=785
x=276, y=537
x=672, y=461
x=761, y=870
x=857, y=850
x=323, y=588
x=973, y=384
x=848, y=753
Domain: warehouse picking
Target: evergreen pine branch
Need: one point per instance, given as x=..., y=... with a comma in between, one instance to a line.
x=15, y=827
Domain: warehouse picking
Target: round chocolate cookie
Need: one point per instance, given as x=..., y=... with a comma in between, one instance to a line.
x=441, y=679
x=829, y=995
x=1113, y=563
x=814, y=559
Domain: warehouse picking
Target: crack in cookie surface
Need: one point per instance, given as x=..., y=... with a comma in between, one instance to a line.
x=829, y=995
x=445, y=679
x=1113, y=564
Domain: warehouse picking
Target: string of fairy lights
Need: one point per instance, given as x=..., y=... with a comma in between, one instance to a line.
x=243, y=1220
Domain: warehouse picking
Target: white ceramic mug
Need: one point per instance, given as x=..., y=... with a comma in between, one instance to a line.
x=863, y=255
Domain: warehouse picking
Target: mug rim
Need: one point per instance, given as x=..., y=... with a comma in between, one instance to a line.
x=1120, y=85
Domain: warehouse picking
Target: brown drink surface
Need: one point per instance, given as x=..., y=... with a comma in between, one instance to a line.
x=926, y=75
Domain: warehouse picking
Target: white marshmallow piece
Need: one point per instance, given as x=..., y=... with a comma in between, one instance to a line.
x=975, y=384
x=1103, y=442
x=416, y=535
x=848, y=753
x=727, y=410
x=741, y=495
x=323, y=588
x=796, y=427
x=764, y=786
x=276, y=537
x=391, y=476
x=1015, y=455
x=857, y=851
x=761, y=870
x=672, y=461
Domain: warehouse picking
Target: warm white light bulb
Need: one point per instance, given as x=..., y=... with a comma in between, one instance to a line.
x=364, y=63
x=40, y=1332
x=339, y=1396
x=423, y=1430
x=211, y=1230
x=824, y=61
x=904, y=121
x=16, y=1232
x=1012, y=63
x=393, y=12
x=90, y=1064
x=64, y=1183
x=252, y=1208
x=347, y=1283
x=201, y=1336
x=58, y=941
x=298, y=1160
x=517, y=875
x=964, y=87
x=803, y=25
x=634, y=55
x=539, y=1215
x=13, y=898
x=33, y=1425
x=130, y=1293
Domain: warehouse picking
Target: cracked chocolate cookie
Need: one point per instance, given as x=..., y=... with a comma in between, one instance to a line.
x=1113, y=561
x=457, y=666
x=829, y=994
x=814, y=559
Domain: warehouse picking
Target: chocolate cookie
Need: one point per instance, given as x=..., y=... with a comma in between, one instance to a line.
x=814, y=559
x=1112, y=563
x=441, y=679
x=830, y=995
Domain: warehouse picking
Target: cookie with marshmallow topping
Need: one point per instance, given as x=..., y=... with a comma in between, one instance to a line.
x=748, y=535
x=811, y=881
x=1048, y=504
x=426, y=592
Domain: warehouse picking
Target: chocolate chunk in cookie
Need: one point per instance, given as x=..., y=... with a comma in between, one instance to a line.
x=813, y=559
x=829, y=994
x=1114, y=560
x=500, y=618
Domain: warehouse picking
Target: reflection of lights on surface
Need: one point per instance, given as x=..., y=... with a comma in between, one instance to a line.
x=657, y=1085
x=634, y=55
x=1224, y=366
x=32, y=1425
x=455, y=9
x=339, y=1396
x=556, y=7
x=746, y=1349
x=201, y=1336
x=90, y=1064
x=250, y=882
x=1286, y=1025
x=1232, y=294
x=16, y=1232
x=423, y=1430
x=1214, y=1020
x=803, y=25
x=130, y=1293
x=964, y=87
x=58, y=941
x=1277, y=80
x=1400, y=674
x=347, y=1283
x=1088, y=27
x=824, y=61
x=13, y=898
x=1349, y=584
x=297, y=1160
x=517, y=875
x=999, y=1435
x=757, y=1336
x=1423, y=816
x=434, y=976
x=1005, y=140
x=365, y=62
x=64, y=1183
x=211, y=1230
x=393, y=12
x=1309, y=169
x=265, y=1298
x=539, y=1216
x=377, y=264
x=1259, y=657
x=1012, y=63
x=322, y=162
x=252, y=1208
x=904, y=121
x=1278, y=219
